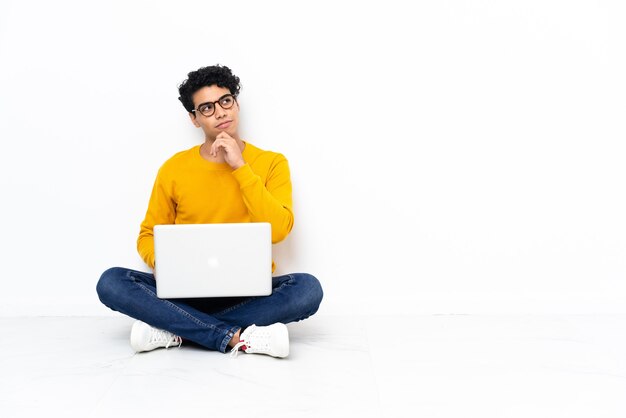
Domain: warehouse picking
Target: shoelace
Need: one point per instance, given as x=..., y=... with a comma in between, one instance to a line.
x=253, y=339
x=235, y=350
x=160, y=335
x=244, y=335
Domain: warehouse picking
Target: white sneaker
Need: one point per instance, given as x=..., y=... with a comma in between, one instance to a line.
x=143, y=337
x=272, y=340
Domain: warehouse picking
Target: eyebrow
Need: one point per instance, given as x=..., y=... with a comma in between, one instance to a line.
x=213, y=102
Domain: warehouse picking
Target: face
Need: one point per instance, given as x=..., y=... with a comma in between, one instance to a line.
x=222, y=120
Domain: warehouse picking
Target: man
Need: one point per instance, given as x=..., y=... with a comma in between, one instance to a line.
x=223, y=180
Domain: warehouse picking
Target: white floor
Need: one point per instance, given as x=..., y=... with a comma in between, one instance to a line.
x=414, y=366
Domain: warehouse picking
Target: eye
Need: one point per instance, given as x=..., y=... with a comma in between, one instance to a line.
x=227, y=101
x=206, y=108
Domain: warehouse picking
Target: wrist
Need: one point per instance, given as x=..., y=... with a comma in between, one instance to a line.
x=238, y=165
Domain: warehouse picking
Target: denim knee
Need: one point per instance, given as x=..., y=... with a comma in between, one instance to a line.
x=109, y=286
x=312, y=293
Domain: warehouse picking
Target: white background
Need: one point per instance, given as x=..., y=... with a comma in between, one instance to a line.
x=447, y=157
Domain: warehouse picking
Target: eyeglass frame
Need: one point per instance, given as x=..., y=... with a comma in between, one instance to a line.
x=214, y=105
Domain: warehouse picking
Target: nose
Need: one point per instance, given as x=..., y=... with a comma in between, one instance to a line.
x=219, y=111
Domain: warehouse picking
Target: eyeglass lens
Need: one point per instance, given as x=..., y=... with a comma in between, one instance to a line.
x=225, y=102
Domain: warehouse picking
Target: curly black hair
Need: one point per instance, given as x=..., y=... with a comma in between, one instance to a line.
x=219, y=75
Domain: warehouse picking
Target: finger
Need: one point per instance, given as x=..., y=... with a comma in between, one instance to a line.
x=223, y=144
x=213, y=150
x=215, y=147
x=222, y=147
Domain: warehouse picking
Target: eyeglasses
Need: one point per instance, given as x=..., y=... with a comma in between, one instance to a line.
x=207, y=109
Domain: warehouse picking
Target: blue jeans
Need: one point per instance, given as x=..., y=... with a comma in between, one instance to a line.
x=210, y=322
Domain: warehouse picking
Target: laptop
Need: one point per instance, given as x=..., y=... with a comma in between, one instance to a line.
x=213, y=260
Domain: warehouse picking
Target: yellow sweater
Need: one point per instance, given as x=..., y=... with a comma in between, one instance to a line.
x=191, y=190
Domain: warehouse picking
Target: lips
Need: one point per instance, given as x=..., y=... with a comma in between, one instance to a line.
x=224, y=125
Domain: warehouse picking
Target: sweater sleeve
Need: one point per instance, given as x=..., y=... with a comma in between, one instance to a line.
x=270, y=202
x=161, y=211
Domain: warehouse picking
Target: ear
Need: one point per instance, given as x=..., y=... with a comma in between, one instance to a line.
x=192, y=116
